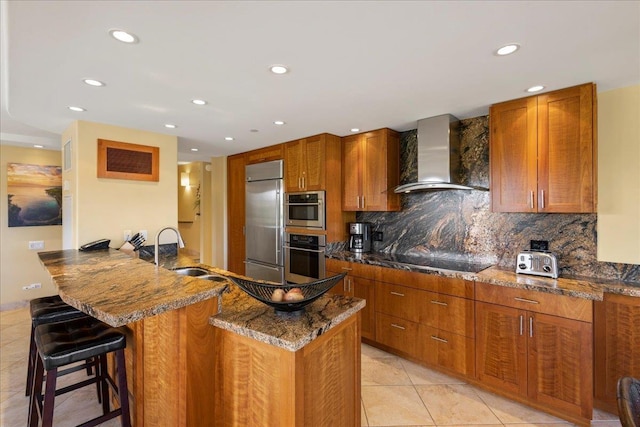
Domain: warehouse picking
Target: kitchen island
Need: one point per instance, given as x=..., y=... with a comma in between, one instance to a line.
x=194, y=345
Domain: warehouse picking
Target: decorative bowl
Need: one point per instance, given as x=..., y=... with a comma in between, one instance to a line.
x=262, y=291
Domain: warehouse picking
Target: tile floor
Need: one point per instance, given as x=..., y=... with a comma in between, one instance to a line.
x=395, y=392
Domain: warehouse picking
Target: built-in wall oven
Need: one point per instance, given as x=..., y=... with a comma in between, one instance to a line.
x=305, y=209
x=304, y=257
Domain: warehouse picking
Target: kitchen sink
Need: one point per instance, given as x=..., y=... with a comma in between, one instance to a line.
x=191, y=271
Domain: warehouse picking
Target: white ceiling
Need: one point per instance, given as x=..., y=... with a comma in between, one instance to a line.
x=365, y=64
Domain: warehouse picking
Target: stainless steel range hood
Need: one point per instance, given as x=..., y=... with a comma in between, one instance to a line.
x=438, y=156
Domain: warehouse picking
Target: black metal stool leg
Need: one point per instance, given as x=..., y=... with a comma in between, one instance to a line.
x=123, y=389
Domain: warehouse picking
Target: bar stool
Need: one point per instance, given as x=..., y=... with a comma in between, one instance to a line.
x=46, y=310
x=63, y=343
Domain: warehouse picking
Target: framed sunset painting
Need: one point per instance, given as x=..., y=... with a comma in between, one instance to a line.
x=35, y=195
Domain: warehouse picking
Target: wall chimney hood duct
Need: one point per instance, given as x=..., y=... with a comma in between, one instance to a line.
x=438, y=156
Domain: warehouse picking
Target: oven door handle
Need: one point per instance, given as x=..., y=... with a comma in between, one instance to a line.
x=303, y=249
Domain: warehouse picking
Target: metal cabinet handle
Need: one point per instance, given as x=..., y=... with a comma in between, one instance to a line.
x=303, y=182
x=347, y=268
x=530, y=326
x=363, y=203
x=398, y=326
x=531, y=199
x=530, y=301
x=542, y=199
x=433, y=337
x=521, y=324
x=398, y=294
x=439, y=302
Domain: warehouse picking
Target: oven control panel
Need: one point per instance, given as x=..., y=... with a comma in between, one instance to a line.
x=539, y=263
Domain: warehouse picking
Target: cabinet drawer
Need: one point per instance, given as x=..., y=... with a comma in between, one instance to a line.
x=399, y=301
x=540, y=302
x=428, y=282
x=448, y=313
x=399, y=334
x=448, y=350
x=352, y=268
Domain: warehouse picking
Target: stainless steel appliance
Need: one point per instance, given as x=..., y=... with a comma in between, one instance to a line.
x=539, y=263
x=360, y=237
x=304, y=255
x=264, y=221
x=305, y=209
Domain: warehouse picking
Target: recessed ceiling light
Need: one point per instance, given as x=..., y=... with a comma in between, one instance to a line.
x=123, y=36
x=77, y=109
x=279, y=122
x=537, y=88
x=170, y=126
x=38, y=146
x=228, y=138
x=253, y=130
x=355, y=130
x=92, y=82
x=279, y=69
x=507, y=49
x=194, y=149
x=199, y=101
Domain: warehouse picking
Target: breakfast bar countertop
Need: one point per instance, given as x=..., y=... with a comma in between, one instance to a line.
x=119, y=289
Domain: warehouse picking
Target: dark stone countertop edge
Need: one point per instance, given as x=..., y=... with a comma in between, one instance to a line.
x=580, y=287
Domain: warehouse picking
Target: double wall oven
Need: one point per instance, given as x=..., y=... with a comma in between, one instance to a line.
x=304, y=248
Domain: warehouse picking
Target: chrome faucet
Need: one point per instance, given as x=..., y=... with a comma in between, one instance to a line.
x=156, y=250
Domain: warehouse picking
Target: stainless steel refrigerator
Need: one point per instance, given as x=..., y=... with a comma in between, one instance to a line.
x=264, y=223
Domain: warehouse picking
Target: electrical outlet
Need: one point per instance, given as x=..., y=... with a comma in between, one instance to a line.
x=32, y=286
x=126, y=235
x=539, y=245
x=143, y=233
x=34, y=245
x=377, y=236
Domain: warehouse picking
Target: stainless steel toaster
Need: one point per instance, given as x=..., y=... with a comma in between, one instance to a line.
x=539, y=263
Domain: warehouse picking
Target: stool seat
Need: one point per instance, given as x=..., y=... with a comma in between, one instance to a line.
x=62, y=343
x=52, y=309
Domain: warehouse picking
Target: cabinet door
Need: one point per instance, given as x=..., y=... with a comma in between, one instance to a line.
x=374, y=172
x=351, y=173
x=398, y=334
x=400, y=301
x=566, y=151
x=617, y=350
x=560, y=363
x=513, y=155
x=448, y=313
x=365, y=289
x=313, y=175
x=501, y=347
x=294, y=161
x=236, y=213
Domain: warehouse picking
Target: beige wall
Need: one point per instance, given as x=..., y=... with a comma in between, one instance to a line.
x=20, y=266
x=104, y=208
x=218, y=209
x=619, y=175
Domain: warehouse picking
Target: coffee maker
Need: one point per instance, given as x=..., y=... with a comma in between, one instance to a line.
x=360, y=237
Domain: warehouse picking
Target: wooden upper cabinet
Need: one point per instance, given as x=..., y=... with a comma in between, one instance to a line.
x=304, y=162
x=371, y=171
x=543, y=153
x=266, y=154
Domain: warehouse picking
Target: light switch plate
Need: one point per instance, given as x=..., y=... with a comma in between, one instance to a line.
x=35, y=245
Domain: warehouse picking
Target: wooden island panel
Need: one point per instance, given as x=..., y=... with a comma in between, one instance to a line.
x=258, y=384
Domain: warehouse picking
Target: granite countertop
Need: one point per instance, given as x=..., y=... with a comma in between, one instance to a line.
x=119, y=289
x=246, y=316
x=581, y=287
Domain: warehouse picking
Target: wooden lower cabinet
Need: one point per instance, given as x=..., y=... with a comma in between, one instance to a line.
x=359, y=282
x=257, y=384
x=169, y=366
x=544, y=359
x=617, y=350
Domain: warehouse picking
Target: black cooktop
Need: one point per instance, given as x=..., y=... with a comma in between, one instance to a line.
x=464, y=265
